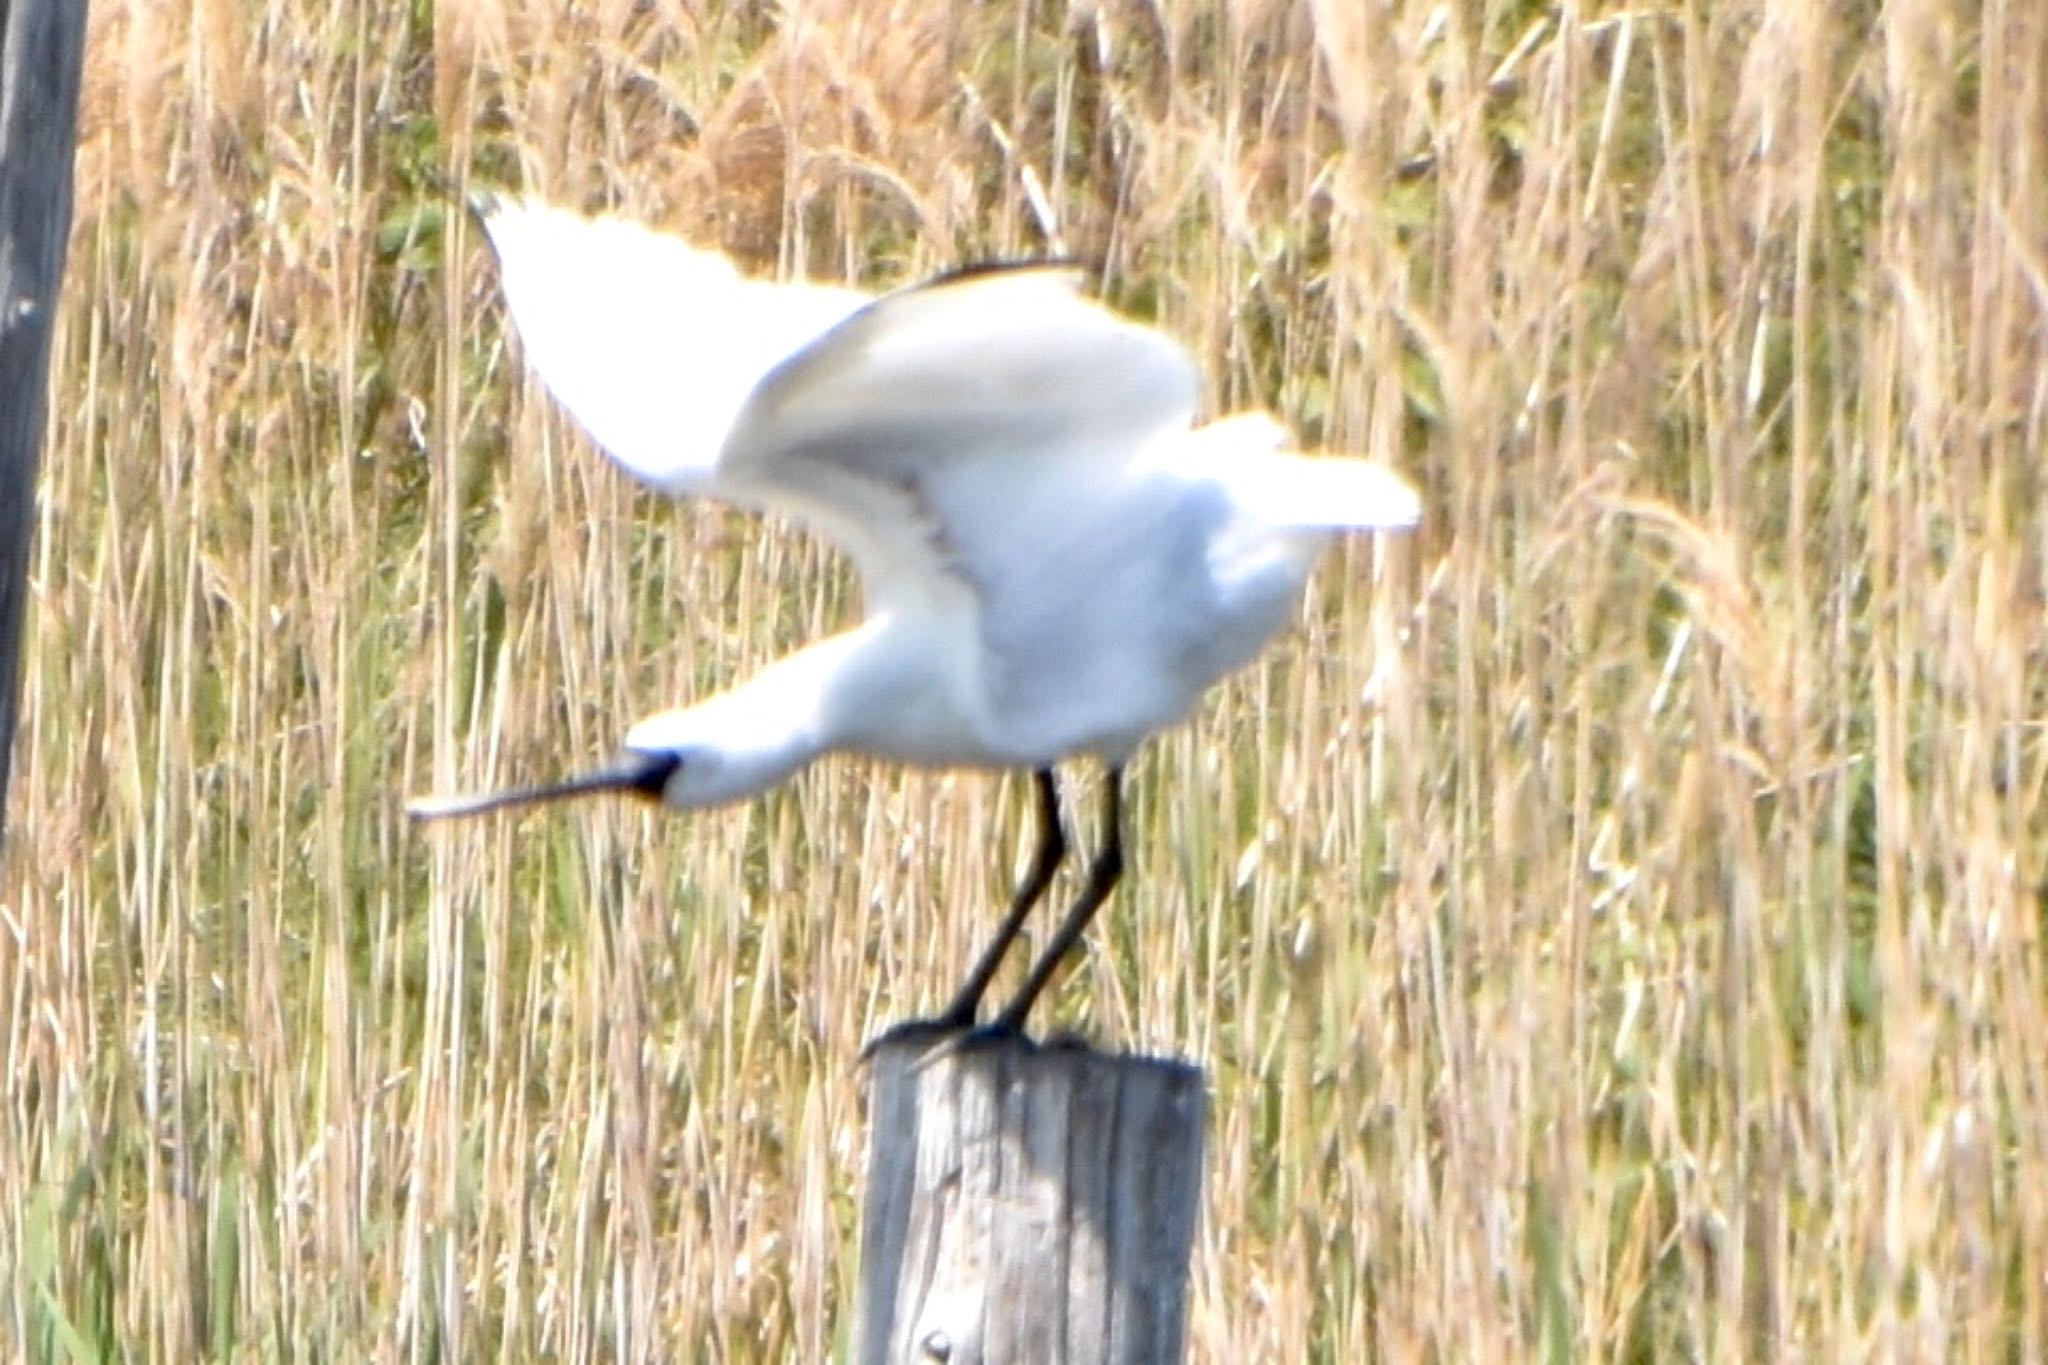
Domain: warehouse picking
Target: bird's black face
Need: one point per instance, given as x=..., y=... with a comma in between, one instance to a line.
x=647, y=774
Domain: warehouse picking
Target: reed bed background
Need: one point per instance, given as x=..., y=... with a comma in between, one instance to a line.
x=1612, y=921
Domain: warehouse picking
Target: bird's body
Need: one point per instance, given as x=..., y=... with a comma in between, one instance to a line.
x=1155, y=584
x=1057, y=560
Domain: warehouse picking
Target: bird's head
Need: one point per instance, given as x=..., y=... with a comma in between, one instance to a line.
x=711, y=754
x=723, y=750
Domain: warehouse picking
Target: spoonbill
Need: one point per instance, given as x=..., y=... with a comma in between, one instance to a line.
x=1057, y=558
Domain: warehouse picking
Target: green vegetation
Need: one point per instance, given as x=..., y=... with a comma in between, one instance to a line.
x=1613, y=921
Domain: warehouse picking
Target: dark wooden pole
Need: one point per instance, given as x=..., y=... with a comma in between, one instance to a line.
x=1027, y=1203
x=42, y=44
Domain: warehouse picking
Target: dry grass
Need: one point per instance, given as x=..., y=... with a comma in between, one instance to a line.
x=1613, y=923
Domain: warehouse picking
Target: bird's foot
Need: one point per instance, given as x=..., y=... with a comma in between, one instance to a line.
x=944, y=1035
x=995, y=1034
x=1066, y=1040
x=927, y=1033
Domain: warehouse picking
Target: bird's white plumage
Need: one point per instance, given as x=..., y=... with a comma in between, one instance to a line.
x=654, y=345
x=1056, y=559
x=946, y=435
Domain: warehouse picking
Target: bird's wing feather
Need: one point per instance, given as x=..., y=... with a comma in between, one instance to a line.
x=652, y=344
x=1247, y=453
x=925, y=431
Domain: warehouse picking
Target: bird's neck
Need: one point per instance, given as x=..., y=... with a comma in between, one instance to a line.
x=761, y=732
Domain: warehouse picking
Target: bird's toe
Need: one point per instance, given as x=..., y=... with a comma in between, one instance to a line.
x=917, y=1035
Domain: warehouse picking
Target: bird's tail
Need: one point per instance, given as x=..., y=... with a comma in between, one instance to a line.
x=1287, y=489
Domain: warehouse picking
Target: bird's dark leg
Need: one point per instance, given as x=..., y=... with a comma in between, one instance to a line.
x=1103, y=873
x=1052, y=847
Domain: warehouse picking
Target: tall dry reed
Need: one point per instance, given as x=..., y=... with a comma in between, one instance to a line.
x=1612, y=922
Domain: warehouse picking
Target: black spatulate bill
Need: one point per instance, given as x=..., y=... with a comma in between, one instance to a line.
x=638, y=774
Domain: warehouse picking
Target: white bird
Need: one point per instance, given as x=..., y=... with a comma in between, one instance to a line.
x=1057, y=559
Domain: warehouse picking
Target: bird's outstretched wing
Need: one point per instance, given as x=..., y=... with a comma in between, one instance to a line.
x=653, y=345
x=936, y=431
x=857, y=415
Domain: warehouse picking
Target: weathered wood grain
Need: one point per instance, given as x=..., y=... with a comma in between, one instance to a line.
x=1027, y=1204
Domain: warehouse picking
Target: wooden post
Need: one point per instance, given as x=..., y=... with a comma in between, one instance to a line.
x=42, y=43
x=1027, y=1203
